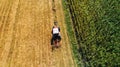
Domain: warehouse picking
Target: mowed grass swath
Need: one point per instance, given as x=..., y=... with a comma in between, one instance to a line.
x=97, y=29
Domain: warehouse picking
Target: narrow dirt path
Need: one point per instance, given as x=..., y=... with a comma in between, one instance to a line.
x=25, y=33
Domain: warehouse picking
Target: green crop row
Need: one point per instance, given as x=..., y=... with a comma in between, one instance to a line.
x=97, y=29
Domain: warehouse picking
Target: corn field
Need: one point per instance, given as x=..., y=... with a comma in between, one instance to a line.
x=97, y=29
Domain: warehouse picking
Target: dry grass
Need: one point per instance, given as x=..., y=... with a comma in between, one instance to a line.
x=25, y=33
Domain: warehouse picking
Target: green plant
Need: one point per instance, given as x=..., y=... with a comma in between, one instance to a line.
x=97, y=28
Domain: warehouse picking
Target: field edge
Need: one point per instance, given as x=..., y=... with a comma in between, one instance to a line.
x=71, y=35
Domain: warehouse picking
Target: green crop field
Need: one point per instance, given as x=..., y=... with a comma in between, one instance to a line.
x=96, y=25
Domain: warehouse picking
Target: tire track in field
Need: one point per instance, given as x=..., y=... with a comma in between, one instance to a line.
x=3, y=10
x=4, y=14
x=1, y=25
x=2, y=4
x=12, y=61
x=7, y=35
x=13, y=17
x=5, y=25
